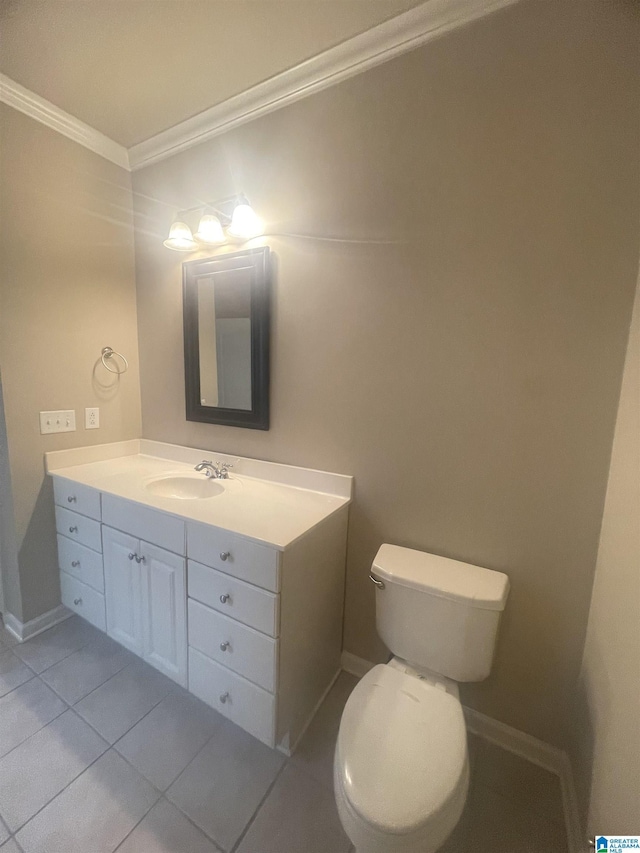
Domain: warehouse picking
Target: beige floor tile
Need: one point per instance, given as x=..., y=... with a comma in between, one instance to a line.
x=95, y=813
x=315, y=751
x=10, y=846
x=166, y=830
x=298, y=816
x=519, y=780
x=4, y=832
x=41, y=766
x=13, y=672
x=162, y=744
x=499, y=824
x=118, y=704
x=77, y=675
x=55, y=644
x=223, y=786
x=25, y=711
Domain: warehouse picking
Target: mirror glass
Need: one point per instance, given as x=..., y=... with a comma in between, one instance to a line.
x=224, y=339
x=226, y=329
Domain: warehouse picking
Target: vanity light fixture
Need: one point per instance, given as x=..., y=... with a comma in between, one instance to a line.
x=233, y=215
x=180, y=238
x=210, y=230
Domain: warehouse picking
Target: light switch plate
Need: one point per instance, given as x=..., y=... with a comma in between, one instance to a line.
x=92, y=418
x=62, y=421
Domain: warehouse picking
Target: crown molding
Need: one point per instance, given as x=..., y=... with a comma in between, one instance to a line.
x=381, y=43
x=32, y=105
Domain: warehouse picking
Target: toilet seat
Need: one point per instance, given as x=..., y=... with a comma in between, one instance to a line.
x=401, y=770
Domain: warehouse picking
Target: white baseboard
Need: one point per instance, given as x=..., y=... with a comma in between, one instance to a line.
x=537, y=752
x=355, y=665
x=520, y=743
x=25, y=630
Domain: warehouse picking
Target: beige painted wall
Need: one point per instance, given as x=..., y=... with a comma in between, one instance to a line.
x=464, y=361
x=67, y=289
x=608, y=748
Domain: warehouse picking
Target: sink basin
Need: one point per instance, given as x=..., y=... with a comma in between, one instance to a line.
x=184, y=488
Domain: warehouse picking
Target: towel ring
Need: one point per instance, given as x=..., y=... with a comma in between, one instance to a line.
x=108, y=353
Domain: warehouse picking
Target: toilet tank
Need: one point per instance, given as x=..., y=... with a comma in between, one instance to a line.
x=438, y=614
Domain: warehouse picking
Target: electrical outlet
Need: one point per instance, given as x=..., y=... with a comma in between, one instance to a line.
x=92, y=418
x=62, y=421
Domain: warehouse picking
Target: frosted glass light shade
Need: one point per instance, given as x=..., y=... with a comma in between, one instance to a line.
x=180, y=238
x=244, y=222
x=210, y=230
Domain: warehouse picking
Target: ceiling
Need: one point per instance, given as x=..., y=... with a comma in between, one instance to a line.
x=132, y=68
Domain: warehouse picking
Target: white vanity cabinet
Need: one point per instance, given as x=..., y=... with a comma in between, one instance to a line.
x=145, y=587
x=80, y=550
x=239, y=599
x=265, y=626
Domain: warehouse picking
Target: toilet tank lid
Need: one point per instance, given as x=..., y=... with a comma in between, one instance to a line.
x=442, y=577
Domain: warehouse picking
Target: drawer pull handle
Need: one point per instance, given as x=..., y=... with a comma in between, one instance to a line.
x=75, y=563
x=72, y=499
x=132, y=556
x=224, y=598
x=142, y=559
x=77, y=601
x=73, y=529
x=224, y=646
x=224, y=697
x=224, y=556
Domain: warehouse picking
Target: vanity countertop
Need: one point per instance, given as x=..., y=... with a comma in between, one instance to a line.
x=268, y=502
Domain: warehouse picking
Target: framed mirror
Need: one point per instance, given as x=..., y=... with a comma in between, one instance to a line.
x=226, y=303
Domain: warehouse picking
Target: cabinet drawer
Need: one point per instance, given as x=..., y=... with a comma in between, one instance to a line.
x=163, y=530
x=82, y=499
x=81, y=562
x=233, y=555
x=79, y=528
x=84, y=600
x=234, y=645
x=245, y=704
x=249, y=604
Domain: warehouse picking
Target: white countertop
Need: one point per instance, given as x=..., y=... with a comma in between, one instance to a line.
x=268, y=502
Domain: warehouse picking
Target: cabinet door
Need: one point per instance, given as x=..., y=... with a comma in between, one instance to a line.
x=122, y=588
x=164, y=622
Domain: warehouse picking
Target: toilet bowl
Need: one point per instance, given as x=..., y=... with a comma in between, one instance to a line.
x=401, y=769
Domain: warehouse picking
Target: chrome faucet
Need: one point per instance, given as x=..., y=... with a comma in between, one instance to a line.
x=214, y=470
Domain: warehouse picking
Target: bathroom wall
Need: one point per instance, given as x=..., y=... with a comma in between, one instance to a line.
x=66, y=290
x=607, y=748
x=10, y=597
x=456, y=250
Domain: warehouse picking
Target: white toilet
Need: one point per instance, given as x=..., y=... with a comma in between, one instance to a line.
x=401, y=769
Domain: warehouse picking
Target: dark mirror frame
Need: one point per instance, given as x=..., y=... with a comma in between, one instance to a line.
x=258, y=260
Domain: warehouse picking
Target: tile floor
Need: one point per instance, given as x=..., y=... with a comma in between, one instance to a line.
x=99, y=752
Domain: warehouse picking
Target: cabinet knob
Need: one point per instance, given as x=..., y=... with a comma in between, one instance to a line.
x=224, y=646
x=72, y=499
x=77, y=601
x=75, y=563
x=142, y=559
x=132, y=556
x=73, y=529
x=224, y=556
x=224, y=598
x=224, y=697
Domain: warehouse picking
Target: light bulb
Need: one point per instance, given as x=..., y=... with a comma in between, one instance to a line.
x=180, y=238
x=210, y=230
x=244, y=222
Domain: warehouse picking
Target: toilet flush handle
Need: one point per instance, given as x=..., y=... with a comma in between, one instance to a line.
x=378, y=583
